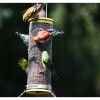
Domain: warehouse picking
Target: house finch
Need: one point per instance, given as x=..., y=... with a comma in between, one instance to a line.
x=42, y=36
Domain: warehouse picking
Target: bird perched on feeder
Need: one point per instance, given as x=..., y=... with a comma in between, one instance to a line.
x=47, y=63
x=42, y=35
x=33, y=12
x=23, y=64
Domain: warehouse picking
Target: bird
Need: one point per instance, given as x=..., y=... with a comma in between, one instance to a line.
x=45, y=34
x=23, y=64
x=33, y=12
x=47, y=63
x=42, y=35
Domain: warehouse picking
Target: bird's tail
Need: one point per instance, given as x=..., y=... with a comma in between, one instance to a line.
x=41, y=6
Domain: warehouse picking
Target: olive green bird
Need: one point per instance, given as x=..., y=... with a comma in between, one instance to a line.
x=23, y=64
x=33, y=12
x=47, y=63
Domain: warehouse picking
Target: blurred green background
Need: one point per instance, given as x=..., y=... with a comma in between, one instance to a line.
x=76, y=54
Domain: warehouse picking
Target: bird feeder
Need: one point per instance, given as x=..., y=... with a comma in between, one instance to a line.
x=38, y=79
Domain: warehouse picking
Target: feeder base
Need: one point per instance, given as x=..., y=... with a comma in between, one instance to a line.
x=40, y=93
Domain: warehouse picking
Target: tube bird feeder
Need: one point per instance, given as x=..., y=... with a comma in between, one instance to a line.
x=38, y=79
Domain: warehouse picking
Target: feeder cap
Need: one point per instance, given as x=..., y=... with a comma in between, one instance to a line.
x=41, y=20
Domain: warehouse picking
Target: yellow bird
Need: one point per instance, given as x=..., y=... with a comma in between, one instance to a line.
x=23, y=64
x=32, y=12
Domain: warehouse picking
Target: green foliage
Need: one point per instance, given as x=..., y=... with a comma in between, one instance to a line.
x=79, y=55
x=60, y=10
